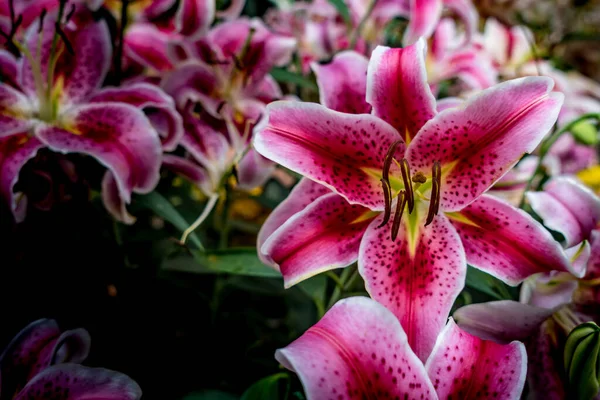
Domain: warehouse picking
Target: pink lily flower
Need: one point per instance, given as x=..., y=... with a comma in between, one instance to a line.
x=432, y=168
x=551, y=304
x=53, y=106
x=43, y=362
x=359, y=350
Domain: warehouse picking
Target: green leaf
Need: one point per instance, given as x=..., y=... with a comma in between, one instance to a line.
x=210, y=395
x=268, y=388
x=484, y=283
x=237, y=261
x=285, y=76
x=342, y=8
x=163, y=208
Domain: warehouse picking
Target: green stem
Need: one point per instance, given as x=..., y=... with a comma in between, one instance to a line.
x=547, y=145
x=359, y=28
x=52, y=63
x=224, y=223
x=345, y=278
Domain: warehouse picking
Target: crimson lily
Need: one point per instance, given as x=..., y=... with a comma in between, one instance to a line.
x=359, y=350
x=55, y=103
x=43, y=362
x=432, y=168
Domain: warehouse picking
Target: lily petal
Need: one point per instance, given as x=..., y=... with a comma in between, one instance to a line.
x=545, y=364
x=478, y=143
x=464, y=366
x=397, y=88
x=501, y=321
x=324, y=236
x=147, y=45
x=15, y=111
x=329, y=147
x=194, y=17
x=112, y=200
x=76, y=382
x=467, y=13
x=76, y=75
x=358, y=349
x=233, y=11
x=568, y=207
x=22, y=354
x=424, y=15
x=193, y=81
x=506, y=242
x=118, y=135
x=253, y=170
x=8, y=68
x=15, y=151
x=304, y=193
x=343, y=83
x=417, y=276
x=156, y=104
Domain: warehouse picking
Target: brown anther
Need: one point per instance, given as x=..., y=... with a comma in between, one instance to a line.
x=42, y=17
x=64, y=38
x=400, y=204
x=407, y=184
x=419, y=177
x=387, y=161
x=436, y=182
x=387, y=196
x=70, y=13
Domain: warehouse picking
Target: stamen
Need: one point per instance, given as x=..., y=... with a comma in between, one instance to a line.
x=387, y=196
x=419, y=177
x=387, y=162
x=434, y=204
x=400, y=204
x=407, y=184
x=63, y=37
x=42, y=17
x=70, y=14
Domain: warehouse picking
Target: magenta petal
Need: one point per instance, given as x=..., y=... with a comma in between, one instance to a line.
x=118, y=135
x=147, y=45
x=343, y=83
x=402, y=99
x=190, y=171
x=80, y=73
x=8, y=68
x=548, y=290
x=593, y=264
x=76, y=382
x=480, y=141
x=448, y=102
x=253, y=170
x=357, y=350
x=233, y=11
x=15, y=151
x=16, y=114
x=463, y=366
x=194, y=17
x=467, y=12
x=303, y=194
x=329, y=147
x=568, y=207
x=323, y=236
x=424, y=16
x=418, y=285
x=545, y=364
x=506, y=242
x=156, y=104
x=113, y=201
x=502, y=321
x=193, y=81
x=23, y=353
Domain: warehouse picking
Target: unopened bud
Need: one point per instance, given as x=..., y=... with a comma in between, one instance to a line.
x=582, y=361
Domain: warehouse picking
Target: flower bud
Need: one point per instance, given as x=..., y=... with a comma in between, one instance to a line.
x=582, y=361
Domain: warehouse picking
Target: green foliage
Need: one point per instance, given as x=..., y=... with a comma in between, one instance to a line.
x=284, y=76
x=272, y=387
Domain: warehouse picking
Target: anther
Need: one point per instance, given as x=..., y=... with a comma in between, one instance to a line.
x=63, y=37
x=387, y=162
x=407, y=184
x=400, y=204
x=70, y=14
x=434, y=204
x=42, y=17
x=387, y=196
x=419, y=177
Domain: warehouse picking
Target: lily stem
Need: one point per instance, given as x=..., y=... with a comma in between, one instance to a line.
x=547, y=145
x=343, y=283
x=356, y=33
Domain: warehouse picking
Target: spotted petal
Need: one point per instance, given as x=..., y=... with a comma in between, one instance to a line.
x=324, y=236
x=480, y=141
x=8, y=68
x=343, y=83
x=418, y=276
x=194, y=17
x=117, y=135
x=155, y=103
x=76, y=75
x=147, y=45
x=76, y=382
x=397, y=88
x=15, y=111
x=502, y=321
x=568, y=207
x=463, y=366
x=15, y=151
x=335, y=149
x=358, y=349
x=304, y=193
x=507, y=242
